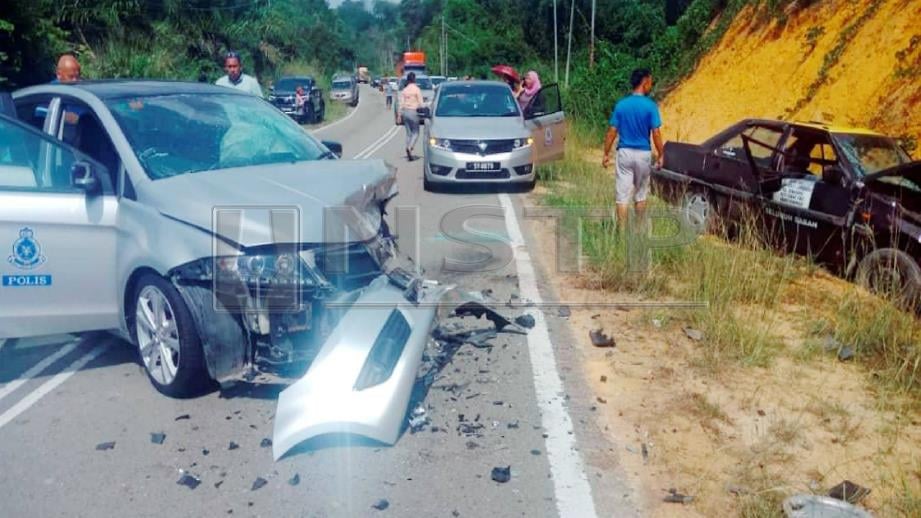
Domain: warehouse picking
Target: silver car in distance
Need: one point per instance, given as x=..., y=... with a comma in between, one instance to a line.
x=216, y=235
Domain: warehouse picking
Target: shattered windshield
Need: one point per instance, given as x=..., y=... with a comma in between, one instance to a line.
x=871, y=153
x=187, y=133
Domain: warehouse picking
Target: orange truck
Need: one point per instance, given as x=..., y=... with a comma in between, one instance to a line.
x=413, y=61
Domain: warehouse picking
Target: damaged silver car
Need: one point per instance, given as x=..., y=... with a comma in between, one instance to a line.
x=216, y=235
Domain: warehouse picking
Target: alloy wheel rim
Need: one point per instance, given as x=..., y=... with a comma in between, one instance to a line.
x=157, y=335
x=697, y=210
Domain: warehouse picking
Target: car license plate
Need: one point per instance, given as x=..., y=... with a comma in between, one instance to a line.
x=483, y=166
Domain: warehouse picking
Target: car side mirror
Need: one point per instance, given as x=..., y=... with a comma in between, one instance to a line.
x=335, y=147
x=424, y=111
x=83, y=176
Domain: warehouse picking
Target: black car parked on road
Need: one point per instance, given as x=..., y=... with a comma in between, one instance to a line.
x=283, y=92
x=848, y=197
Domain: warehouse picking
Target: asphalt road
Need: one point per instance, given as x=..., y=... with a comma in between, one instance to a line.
x=61, y=396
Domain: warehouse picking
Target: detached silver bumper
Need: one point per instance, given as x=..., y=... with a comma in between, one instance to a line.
x=382, y=334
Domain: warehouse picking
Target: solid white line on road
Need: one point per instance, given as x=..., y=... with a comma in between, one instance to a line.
x=377, y=144
x=340, y=121
x=50, y=385
x=37, y=369
x=573, y=492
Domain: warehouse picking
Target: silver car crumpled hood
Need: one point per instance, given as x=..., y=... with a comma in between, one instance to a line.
x=327, y=399
x=352, y=199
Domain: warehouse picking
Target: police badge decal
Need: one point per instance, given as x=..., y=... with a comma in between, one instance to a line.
x=27, y=252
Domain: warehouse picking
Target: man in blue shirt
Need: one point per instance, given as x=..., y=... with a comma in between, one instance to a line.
x=634, y=121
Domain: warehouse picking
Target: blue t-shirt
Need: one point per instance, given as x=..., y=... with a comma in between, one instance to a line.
x=635, y=116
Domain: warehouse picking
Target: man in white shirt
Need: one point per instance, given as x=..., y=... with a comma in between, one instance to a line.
x=235, y=77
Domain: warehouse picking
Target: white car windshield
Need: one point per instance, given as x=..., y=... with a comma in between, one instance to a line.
x=476, y=100
x=342, y=85
x=185, y=133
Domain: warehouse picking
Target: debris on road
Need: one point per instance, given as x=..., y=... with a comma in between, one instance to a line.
x=849, y=492
x=645, y=451
x=157, y=437
x=535, y=452
x=502, y=475
x=265, y=443
x=417, y=419
x=205, y=451
x=674, y=497
x=188, y=480
x=599, y=339
x=381, y=504
x=526, y=321
x=182, y=417
x=103, y=446
x=232, y=446
x=601, y=400
x=259, y=483
x=604, y=379
x=295, y=480
x=809, y=506
x=694, y=334
x=564, y=312
x=477, y=309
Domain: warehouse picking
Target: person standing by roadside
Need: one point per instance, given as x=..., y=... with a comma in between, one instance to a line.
x=68, y=69
x=388, y=92
x=235, y=78
x=410, y=99
x=530, y=85
x=634, y=121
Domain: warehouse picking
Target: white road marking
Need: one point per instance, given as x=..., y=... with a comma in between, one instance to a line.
x=377, y=144
x=340, y=121
x=50, y=385
x=573, y=491
x=37, y=369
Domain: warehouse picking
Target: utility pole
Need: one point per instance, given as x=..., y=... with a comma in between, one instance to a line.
x=591, y=48
x=556, y=54
x=572, y=9
x=444, y=46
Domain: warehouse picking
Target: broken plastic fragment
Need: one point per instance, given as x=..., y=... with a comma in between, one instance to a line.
x=157, y=437
x=295, y=480
x=849, y=492
x=599, y=339
x=526, y=321
x=259, y=483
x=103, y=446
x=188, y=480
x=181, y=417
x=564, y=311
x=232, y=446
x=381, y=504
x=502, y=475
x=265, y=443
x=417, y=419
x=477, y=310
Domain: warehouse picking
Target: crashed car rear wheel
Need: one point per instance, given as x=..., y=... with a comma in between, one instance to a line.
x=892, y=273
x=697, y=210
x=168, y=344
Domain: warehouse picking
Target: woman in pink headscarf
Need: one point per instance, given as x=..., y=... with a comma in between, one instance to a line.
x=530, y=85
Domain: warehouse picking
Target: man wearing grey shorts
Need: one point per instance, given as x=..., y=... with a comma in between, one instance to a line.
x=634, y=121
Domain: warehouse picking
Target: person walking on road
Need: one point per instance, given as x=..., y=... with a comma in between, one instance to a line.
x=235, y=78
x=388, y=92
x=634, y=121
x=410, y=99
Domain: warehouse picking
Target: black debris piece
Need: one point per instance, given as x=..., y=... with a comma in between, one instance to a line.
x=259, y=483
x=694, y=334
x=265, y=443
x=455, y=513
x=182, y=417
x=526, y=321
x=232, y=446
x=295, y=480
x=599, y=339
x=535, y=452
x=498, y=403
x=502, y=475
x=486, y=293
x=849, y=492
x=381, y=504
x=601, y=400
x=645, y=452
x=205, y=451
x=477, y=310
x=470, y=429
x=217, y=484
x=604, y=379
x=564, y=311
x=157, y=437
x=674, y=497
x=188, y=480
x=513, y=425
x=103, y=446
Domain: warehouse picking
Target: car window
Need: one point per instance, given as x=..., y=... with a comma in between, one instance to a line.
x=342, y=85
x=869, y=154
x=546, y=102
x=476, y=101
x=81, y=129
x=762, y=150
x=289, y=84
x=808, y=151
x=33, y=161
x=186, y=133
x=33, y=112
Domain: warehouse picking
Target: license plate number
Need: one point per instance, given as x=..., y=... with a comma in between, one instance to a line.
x=483, y=166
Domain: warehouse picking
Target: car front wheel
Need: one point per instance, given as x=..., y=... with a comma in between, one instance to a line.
x=167, y=341
x=893, y=273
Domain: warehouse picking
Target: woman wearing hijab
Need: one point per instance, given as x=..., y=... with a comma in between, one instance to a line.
x=530, y=85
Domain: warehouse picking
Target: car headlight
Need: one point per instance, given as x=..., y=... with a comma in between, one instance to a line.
x=522, y=142
x=440, y=143
x=252, y=269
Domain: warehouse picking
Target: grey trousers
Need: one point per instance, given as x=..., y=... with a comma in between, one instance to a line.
x=411, y=124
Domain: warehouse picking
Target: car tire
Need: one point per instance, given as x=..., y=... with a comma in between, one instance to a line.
x=427, y=185
x=309, y=115
x=697, y=211
x=172, y=356
x=893, y=273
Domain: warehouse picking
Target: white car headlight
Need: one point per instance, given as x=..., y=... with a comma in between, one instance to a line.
x=522, y=142
x=440, y=143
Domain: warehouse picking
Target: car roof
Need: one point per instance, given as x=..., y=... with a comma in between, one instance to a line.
x=831, y=128
x=116, y=88
x=473, y=82
x=298, y=78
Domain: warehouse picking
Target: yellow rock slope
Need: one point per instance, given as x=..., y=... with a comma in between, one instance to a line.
x=847, y=62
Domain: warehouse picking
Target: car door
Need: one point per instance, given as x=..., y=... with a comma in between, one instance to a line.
x=57, y=272
x=545, y=118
